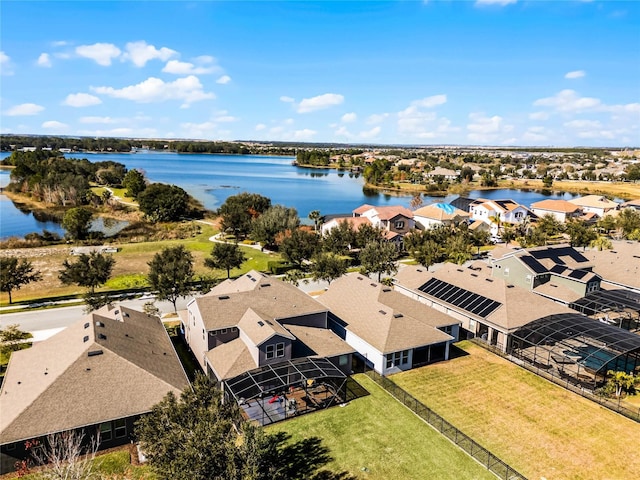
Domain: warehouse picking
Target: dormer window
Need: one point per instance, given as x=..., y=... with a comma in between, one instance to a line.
x=399, y=224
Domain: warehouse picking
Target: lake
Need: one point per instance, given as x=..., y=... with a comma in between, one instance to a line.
x=213, y=178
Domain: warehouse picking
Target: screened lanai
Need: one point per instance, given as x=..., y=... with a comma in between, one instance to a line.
x=293, y=387
x=615, y=307
x=577, y=348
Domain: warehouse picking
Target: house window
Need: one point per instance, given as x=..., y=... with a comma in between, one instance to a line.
x=397, y=359
x=105, y=431
x=224, y=330
x=120, y=428
x=234, y=329
x=399, y=224
x=592, y=287
x=270, y=351
x=280, y=350
x=343, y=360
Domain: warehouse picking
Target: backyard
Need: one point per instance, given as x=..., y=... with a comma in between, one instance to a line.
x=538, y=428
x=375, y=437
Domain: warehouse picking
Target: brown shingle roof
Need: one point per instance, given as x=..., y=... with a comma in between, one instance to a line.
x=231, y=359
x=260, y=328
x=519, y=306
x=384, y=319
x=56, y=385
x=321, y=341
x=620, y=264
x=274, y=299
x=434, y=212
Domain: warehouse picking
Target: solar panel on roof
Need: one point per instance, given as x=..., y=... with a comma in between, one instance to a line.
x=533, y=264
x=556, y=253
x=558, y=269
x=459, y=297
x=578, y=274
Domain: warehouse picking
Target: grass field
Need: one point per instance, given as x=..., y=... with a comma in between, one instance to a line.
x=375, y=437
x=131, y=265
x=540, y=429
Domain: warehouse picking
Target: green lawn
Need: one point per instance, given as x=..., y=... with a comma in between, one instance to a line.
x=540, y=429
x=375, y=437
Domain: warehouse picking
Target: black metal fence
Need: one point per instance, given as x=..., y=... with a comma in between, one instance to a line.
x=477, y=451
x=565, y=381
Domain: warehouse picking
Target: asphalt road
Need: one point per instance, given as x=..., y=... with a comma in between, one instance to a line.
x=44, y=323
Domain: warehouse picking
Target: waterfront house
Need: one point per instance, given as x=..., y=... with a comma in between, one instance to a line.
x=394, y=219
x=595, y=204
x=438, y=214
x=497, y=213
x=561, y=210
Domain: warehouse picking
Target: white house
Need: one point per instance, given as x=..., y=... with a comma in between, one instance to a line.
x=595, y=204
x=439, y=214
x=561, y=210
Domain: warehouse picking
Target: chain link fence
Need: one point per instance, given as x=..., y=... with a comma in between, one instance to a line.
x=482, y=455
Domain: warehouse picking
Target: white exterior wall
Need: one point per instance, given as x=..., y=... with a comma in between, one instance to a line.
x=253, y=350
x=193, y=333
x=510, y=216
x=560, y=216
x=367, y=351
x=427, y=222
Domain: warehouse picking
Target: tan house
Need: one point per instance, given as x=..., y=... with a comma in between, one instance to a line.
x=595, y=204
x=487, y=307
x=99, y=374
x=390, y=331
x=561, y=210
x=394, y=219
x=439, y=214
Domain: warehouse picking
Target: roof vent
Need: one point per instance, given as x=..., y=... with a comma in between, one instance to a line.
x=125, y=314
x=382, y=312
x=99, y=324
x=359, y=278
x=253, y=279
x=86, y=325
x=474, y=274
x=102, y=336
x=509, y=286
x=386, y=289
x=418, y=270
x=459, y=270
x=116, y=312
x=374, y=284
x=85, y=339
x=94, y=353
x=261, y=323
x=223, y=297
x=397, y=315
x=266, y=285
x=489, y=279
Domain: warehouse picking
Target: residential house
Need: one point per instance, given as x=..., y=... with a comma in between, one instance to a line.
x=395, y=219
x=618, y=267
x=488, y=308
x=497, y=213
x=561, y=210
x=98, y=375
x=557, y=272
x=631, y=204
x=390, y=331
x=255, y=321
x=439, y=214
x=595, y=204
x=446, y=173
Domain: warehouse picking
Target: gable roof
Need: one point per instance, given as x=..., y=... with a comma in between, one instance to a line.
x=385, y=319
x=318, y=342
x=518, y=306
x=269, y=298
x=260, y=328
x=386, y=212
x=230, y=359
x=108, y=365
x=620, y=265
x=596, y=201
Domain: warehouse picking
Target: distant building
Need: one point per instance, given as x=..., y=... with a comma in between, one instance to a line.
x=595, y=204
x=448, y=174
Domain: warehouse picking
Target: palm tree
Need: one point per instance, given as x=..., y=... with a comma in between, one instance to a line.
x=316, y=217
x=496, y=220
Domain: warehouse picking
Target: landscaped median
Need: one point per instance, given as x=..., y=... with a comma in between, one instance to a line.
x=540, y=429
x=376, y=437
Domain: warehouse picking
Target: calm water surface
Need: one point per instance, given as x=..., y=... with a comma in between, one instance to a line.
x=213, y=178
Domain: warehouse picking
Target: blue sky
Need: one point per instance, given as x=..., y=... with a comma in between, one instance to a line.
x=491, y=72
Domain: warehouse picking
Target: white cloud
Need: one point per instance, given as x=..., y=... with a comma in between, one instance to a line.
x=581, y=124
x=187, y=68
x=101, y=120
x=575, y=74
x=101, y=53
x=224, y=79
x=568, y=101
x=539, y=116
x=140, y=53
x=5, y=64
x=484, y=129
x=374, y=132
x=349, y=117
x=305, y=134
x=343, y=132
x=24, y=109
x=54, y=125
x=288, y=121
x=81, y=100
x=225, y=119
x=44, y=60
x=286, y=99
x=319, y=102
x=430, y=102
x=501, y=3
x=376, y=118
x=188, y=89
x=199, y=130
x=260, y=126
